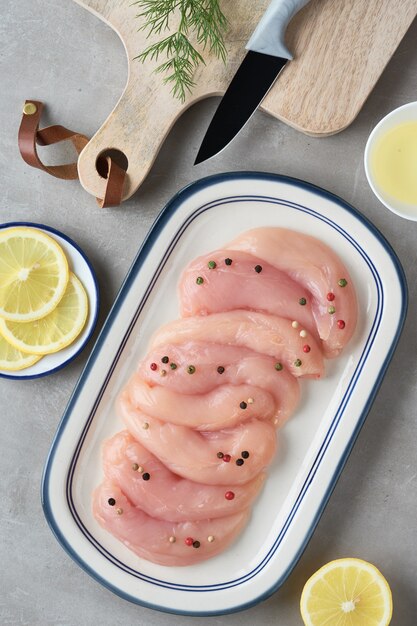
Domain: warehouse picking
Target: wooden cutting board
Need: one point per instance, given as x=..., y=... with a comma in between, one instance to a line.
x=340, y=49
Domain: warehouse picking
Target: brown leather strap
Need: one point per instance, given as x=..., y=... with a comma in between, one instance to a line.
x=114, y=189
x=30, y=135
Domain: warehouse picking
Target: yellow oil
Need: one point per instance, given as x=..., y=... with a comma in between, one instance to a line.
x=394, y=163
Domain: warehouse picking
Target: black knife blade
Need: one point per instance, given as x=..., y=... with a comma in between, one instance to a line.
x=239, y=103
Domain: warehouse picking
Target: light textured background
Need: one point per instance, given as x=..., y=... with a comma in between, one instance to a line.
x=54, y=51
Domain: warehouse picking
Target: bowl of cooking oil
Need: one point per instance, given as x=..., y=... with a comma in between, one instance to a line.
x=391, y=161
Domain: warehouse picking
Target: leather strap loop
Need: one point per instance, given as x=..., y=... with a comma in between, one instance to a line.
x=29, y=135
x=114, y=189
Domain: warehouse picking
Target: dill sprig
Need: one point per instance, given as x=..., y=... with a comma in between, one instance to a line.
x=202, y=19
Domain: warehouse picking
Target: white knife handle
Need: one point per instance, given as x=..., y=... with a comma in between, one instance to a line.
x=269, y=36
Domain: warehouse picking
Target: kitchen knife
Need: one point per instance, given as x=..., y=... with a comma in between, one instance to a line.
x=266, y=56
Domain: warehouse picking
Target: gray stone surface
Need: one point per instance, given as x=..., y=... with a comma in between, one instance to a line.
x=58, y=53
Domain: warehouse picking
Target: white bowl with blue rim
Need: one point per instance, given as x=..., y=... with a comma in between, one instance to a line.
x=82, y=267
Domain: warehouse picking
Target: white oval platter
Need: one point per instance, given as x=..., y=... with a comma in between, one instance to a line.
x=313, y=445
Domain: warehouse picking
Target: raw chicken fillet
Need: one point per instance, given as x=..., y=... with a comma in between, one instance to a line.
x=202, y=408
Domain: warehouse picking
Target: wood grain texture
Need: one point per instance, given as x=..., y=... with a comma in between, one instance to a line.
x=340, y=49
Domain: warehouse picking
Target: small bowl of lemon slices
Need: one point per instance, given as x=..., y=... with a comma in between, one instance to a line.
x=48, y=300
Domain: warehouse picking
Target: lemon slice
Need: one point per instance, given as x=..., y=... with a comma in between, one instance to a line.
x=12, y=359
x=55, y=331
x=33, y=274
x=346, y=592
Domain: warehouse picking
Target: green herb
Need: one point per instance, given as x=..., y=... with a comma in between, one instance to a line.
x=202, y=19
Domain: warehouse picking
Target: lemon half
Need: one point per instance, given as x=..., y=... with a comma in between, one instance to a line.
x=33, y=274
x=346, y=592
x=55, y=331
x=12, y=359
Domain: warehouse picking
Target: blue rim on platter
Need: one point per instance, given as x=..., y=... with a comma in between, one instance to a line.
x=95, y=297
x=160, y=222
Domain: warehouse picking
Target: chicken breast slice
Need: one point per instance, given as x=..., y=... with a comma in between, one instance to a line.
x=148, y=484
x=283, y=339
x=195, y=455
x=316, y=268
x=248, y=282
x=160, y=541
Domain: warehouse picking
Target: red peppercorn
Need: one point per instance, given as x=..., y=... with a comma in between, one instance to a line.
x=189, y=541
x=330, y=296
x=341, y=324
x=229, y=495
x=226, y=458
x=306, y=348
x=153, y=366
